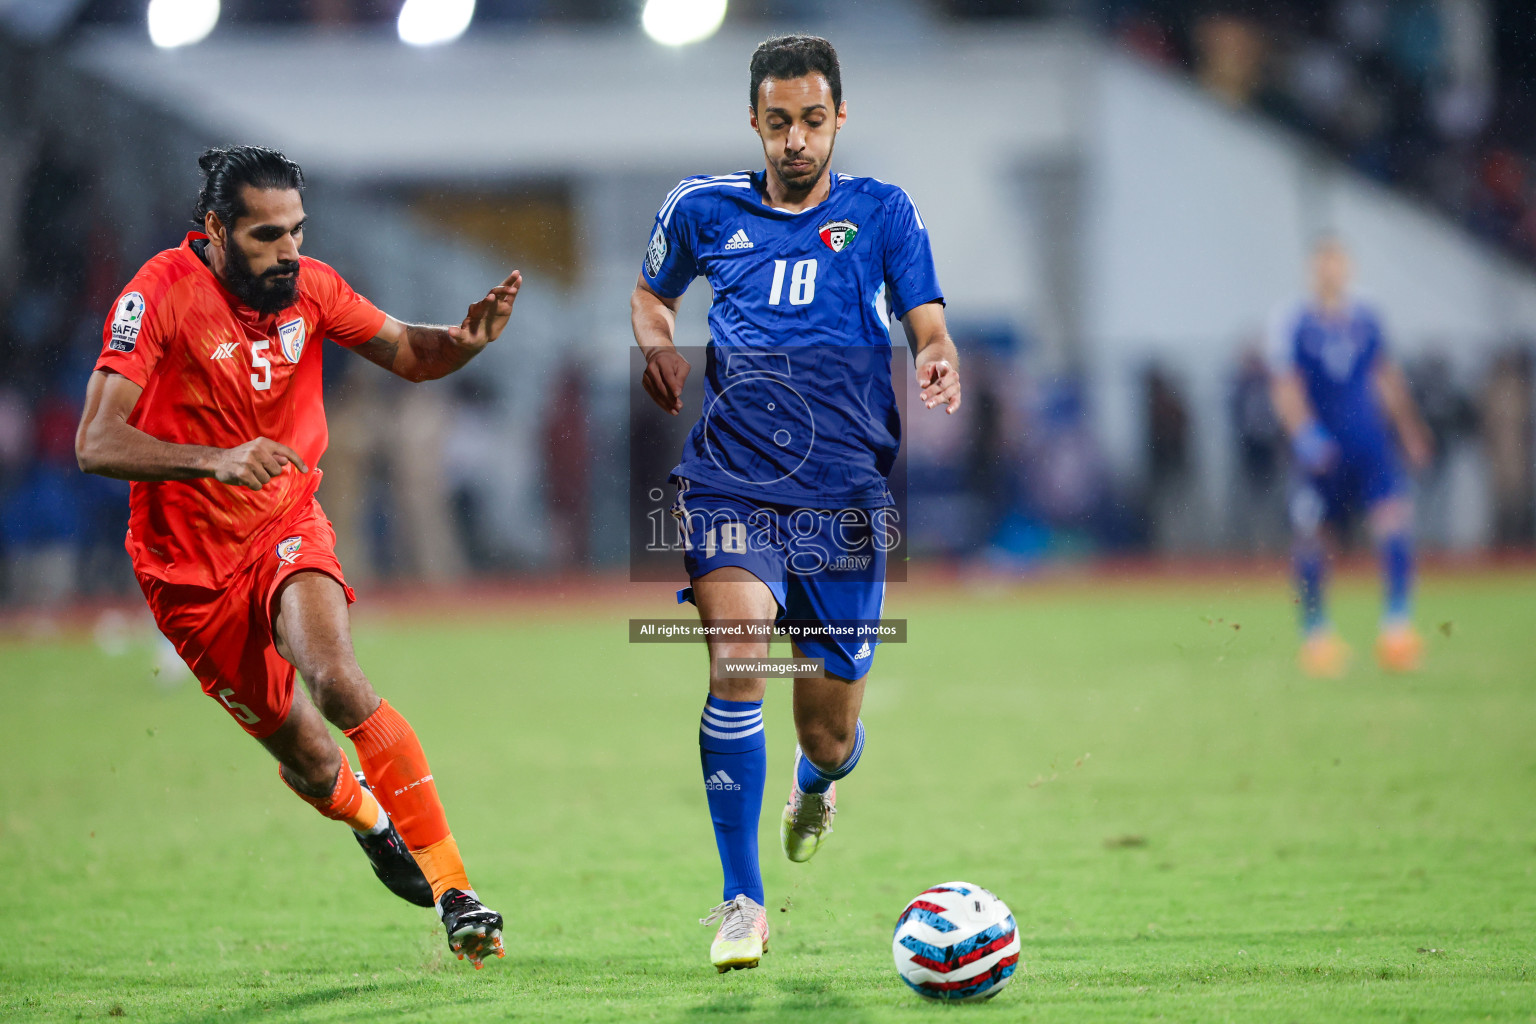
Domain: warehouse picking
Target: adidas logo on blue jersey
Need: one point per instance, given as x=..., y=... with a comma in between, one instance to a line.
x=739, y=240
x=863, y=652
x=721, y=781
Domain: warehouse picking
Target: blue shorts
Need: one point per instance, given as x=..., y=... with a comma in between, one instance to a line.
x=825, y=567
x=1355, y=484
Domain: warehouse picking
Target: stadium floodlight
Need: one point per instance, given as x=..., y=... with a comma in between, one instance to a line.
x=175, y=23
x=430, y=22
x=679, y=22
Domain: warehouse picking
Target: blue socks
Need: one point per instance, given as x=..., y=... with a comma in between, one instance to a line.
x=815, y=780
x=1397, y=575
x=1309, y=585
x=1396, y=553
x=734, y=752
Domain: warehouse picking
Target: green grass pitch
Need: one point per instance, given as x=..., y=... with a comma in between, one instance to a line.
x=1185, y=829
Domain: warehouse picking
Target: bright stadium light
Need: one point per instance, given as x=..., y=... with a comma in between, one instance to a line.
x=175, y=23
x=679, y=22
x=430, y=22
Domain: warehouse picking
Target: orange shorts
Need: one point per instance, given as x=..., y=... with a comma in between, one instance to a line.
x=225, y=636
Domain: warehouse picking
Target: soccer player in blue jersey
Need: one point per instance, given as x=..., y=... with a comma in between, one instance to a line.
x=1352, y=422
x=781, y=490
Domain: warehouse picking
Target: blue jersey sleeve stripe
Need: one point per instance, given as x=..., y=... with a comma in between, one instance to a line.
x=728, y=181
x=666, y=214
x=699, y=180
x=916, y=216
x=688, y=183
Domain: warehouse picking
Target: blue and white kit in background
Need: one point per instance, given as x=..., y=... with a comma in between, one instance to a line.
x=1336, y=358
x=785, y=473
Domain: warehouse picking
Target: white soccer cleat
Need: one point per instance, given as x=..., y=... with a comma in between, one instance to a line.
x=807, y=819
x=743, y=935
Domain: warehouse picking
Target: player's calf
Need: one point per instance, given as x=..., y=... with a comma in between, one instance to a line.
x=309, y=762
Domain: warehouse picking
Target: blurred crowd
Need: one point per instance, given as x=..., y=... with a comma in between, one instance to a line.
x=1416, y=93
x=1434, y=97
x=1024, y=479
x=61, y=531
x=1430, y=96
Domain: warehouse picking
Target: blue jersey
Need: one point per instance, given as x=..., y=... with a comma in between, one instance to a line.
x=1336, y=358
x=799, y=407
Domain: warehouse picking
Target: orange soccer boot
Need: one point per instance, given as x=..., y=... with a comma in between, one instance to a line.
x=1399, y=648
x=1324, y=655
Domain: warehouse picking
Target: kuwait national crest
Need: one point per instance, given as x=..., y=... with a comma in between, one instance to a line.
x=288, y=549
x=291, y=336
x=838, y=234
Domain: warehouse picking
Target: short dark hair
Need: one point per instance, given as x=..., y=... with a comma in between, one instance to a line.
x=228, y=169
x=795, y=57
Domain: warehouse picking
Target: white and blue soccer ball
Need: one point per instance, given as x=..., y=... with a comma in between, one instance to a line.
x=955, y=942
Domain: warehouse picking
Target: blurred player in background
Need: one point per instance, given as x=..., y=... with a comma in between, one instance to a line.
x=207, y=396
x=783, y=482
x=1351, y=419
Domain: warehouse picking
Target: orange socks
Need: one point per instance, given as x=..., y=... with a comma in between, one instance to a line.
x=443, y=867
x=397, y=769
x=348, y=802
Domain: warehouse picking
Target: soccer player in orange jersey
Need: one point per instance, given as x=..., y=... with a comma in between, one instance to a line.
x=207, y=396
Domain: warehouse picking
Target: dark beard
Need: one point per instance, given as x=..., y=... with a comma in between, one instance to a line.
x=265, y=293
x=799, y=188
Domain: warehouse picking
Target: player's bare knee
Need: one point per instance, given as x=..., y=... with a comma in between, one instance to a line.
x=737, y=649
x=729, y=687
x=738, y=688
x=826, y=745
x=342, y=693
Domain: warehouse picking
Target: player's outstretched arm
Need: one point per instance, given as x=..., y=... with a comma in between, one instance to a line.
x=937, y=359
x=1392, y=385
x=654, y=321
x=419, y=352
x=107, y=445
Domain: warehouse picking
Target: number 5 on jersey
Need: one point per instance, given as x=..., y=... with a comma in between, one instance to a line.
x=802, y=282
x=262, y=363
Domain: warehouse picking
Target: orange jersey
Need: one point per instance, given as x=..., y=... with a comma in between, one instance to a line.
x=217, y=373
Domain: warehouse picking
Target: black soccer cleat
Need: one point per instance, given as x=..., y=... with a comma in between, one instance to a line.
x=474, y=930
x=393, y=863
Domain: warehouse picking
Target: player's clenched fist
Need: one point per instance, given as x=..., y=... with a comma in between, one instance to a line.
x=254, y=463
x=665, y=374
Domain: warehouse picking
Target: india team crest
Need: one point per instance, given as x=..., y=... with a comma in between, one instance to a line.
x=838, y=234
x=288, y=549
x=291, y=336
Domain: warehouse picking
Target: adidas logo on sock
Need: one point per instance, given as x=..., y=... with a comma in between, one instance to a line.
x=863, y=652
x=739, y=240
x=721, y=781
